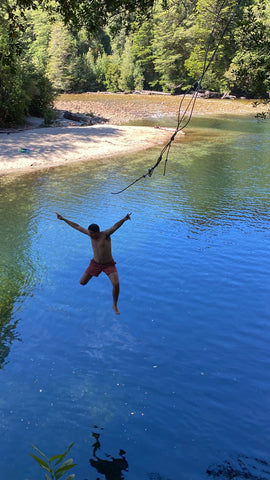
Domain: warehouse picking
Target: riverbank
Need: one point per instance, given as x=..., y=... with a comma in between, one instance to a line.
x=44, y=148
x=120, y=108
x=67, y=142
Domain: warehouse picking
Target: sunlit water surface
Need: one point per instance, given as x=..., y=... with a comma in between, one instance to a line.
x=180, y=380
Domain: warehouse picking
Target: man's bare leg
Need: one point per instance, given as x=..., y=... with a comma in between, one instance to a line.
x=115, y=291
x=85, y=278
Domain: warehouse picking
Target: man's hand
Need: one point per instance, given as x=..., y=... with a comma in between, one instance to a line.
x=59, y=216
x=127, y=217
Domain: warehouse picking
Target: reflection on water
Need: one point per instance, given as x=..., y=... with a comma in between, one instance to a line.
x=7, y=327
x=112, y=469
x=242, y=467
x=18, y=266
x=181, y=380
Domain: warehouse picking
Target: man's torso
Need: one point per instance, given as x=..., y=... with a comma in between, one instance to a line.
x=102, y=248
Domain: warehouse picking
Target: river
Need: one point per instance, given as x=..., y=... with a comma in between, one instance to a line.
x=177, y=386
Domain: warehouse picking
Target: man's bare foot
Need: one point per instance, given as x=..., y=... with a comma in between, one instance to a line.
x=116, y=310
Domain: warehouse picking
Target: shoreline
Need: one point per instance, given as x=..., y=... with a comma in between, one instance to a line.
x=39, y=148
x=44, y=148
x=122, y=108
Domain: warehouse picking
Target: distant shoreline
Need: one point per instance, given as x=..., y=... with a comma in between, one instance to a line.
x=33, y=149
x=121, y=108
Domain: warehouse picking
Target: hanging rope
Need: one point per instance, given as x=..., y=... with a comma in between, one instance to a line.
x=184, y=118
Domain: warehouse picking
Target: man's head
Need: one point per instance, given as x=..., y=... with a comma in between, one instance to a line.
x=93, y=229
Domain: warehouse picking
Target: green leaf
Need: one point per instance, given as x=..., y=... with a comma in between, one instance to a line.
x=67, y=462
x=71, y=477
x=61, y=470
x=39, y=451
x=56, y=457
x=47, y=477
x=63, y=455
x=41, y=462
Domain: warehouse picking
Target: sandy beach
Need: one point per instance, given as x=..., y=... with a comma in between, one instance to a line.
x=43, y=148
x=33, y=149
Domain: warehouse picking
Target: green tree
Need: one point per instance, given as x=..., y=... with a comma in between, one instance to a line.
x=38, y=92
x=36, y=39
x=248, y=73
x=172, y=43
x=211, y=13
x=12, y=99
x=12, y=102
x=100, y=68
x=138, y=77
x=24, y=88
x=142, y=50
x=126, y=80
x=83, y=76
x=112, y=73
x=61, y=67
x=86, y=50
x=61, y=58
x=92, y=15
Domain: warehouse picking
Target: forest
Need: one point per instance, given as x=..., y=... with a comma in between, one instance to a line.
x=55, y=46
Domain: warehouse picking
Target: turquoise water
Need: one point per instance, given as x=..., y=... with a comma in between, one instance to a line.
x=180, y=381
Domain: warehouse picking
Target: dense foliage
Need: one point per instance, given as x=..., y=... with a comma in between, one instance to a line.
x=78, y=46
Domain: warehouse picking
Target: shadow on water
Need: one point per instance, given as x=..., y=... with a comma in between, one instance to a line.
x=112, y=468
x=242, y=468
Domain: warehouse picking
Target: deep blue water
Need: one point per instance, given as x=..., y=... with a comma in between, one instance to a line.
x=180, y=380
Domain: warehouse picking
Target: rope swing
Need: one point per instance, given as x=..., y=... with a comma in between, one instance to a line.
x=184, y=117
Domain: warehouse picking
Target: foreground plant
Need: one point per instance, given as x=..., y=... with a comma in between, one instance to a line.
x=55, y=466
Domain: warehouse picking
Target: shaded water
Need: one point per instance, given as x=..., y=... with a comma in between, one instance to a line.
x=180, y=381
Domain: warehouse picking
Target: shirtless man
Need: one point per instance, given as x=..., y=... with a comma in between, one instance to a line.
x=103, y=260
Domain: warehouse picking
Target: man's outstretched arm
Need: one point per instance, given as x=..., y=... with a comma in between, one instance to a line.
x=73, y=224
x=117, y=225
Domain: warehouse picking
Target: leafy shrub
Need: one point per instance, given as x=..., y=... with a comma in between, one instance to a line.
x=55, y=466
x=39, y=93
x=12, y=99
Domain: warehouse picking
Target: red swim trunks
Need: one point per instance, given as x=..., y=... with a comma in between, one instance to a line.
x=95, y=268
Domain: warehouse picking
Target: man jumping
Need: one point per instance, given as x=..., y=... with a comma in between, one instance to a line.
x=103, y=260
